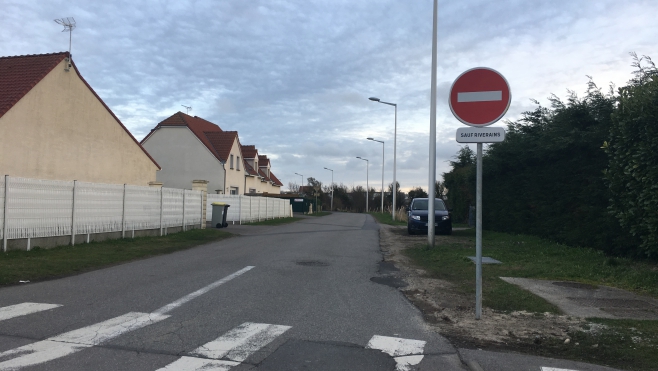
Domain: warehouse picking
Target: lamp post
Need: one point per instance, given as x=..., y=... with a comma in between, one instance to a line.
x=302, y=180
x=367, y=186
x=332, y=188
x=395, y=134
x=375, y=140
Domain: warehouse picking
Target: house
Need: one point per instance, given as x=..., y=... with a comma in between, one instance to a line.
x=53, y=125
x=189, y=147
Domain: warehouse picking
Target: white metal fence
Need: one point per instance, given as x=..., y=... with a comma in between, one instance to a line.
x=250, y=208
x=32, y=208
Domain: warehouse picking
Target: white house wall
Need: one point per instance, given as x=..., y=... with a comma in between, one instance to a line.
x=183, y=158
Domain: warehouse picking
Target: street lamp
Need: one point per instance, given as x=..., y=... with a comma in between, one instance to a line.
x=302, y=179
x=332, y=188
x=367, y=164
x=375, y=140
x=395, y=134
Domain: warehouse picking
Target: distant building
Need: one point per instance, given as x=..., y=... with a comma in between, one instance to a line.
x=189, y=147
x=53, y=125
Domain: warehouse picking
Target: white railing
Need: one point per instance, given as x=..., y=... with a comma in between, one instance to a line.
x=245, y=209
x=32, y=208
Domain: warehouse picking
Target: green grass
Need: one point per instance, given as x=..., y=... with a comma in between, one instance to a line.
x=321, y=213
x=41, y=264
x=274, y=221
x=627, y=344
x=386, y=218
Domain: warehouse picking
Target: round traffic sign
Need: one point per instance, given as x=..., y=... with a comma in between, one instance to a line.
x=480, y=96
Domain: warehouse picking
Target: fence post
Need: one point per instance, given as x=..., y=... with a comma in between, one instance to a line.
x=203, y=217
x=161, y=204
x=5, y=219
x=240, y=212
x=184, y=210
x=123, y=214
x=202, y=185
x=75, y=183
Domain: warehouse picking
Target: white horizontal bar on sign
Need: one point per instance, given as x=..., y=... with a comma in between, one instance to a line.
x=480, y=135
x=24, y=309
x=480, y=96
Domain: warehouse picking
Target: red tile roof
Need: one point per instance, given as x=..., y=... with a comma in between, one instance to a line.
x=19, y=74
x=263, y=160
x=275, y=180
x=248, y=169
x=263, y=175
x=222, y=141
x=249, y=151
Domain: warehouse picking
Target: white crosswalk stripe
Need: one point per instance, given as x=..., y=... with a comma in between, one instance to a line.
x=406, y=352
x=235, y=346
x=24, y=309
x=555, y=369
x=73, y=341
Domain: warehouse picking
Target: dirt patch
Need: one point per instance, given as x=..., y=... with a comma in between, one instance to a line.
x=452, y=314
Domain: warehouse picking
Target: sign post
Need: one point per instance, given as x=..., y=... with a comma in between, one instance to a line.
x=478, y=98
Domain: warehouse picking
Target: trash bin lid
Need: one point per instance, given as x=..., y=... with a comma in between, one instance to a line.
x=218, y=204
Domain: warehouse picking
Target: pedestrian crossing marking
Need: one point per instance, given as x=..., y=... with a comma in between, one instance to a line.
x=73, y=341
x=235, y=346
x=555, y=369
x=24, y=309
x=406, y=352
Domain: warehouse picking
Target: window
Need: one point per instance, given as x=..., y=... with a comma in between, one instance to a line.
x=238, y=163
x=231, y=161
x=234, y=190
x=252, y=190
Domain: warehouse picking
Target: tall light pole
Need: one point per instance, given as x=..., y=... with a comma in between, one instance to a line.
x=395, y=134
x=375, y=140
x=302, y=180
x=432, y=167
x=367, y=186
x=332, y=188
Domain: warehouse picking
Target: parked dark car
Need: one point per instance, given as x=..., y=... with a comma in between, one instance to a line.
x=417, y=216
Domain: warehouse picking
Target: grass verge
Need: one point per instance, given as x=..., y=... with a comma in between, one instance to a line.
x=386, y=218
x=275, y=221
x=627, y=344
x=42, y=264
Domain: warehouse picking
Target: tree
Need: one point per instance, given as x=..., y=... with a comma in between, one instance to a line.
x=417, y=192
x=293, y=187
x=632, y=149
x=399, y=199
x=459, y=183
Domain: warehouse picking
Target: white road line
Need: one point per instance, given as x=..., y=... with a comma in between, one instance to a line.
x=236, y=346
x=406, y=352
x=241, y=342
x=186, y=298
x=555, y=369
x=480, y=96
x=198, y=364
x=73, y=341
x=24, y=309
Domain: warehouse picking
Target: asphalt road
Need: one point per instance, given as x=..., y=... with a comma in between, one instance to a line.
x=290, y=297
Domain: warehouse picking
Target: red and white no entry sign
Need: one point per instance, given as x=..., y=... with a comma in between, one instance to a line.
x=480, y=97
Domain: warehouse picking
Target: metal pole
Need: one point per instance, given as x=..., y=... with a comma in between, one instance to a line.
x=75, y=182
x=5, y=219
x=383, y=180
x=478, y=235
x=432, y=154
x=332, y=190
x=395, y=140
x=367, y=186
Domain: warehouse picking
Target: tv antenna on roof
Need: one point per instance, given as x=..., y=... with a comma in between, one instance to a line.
x=69, y=25
x=189, y=108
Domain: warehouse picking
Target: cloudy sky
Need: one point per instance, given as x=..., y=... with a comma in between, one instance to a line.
x=293, y=77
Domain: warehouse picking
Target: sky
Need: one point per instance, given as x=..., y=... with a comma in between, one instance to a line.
x=293, y=77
